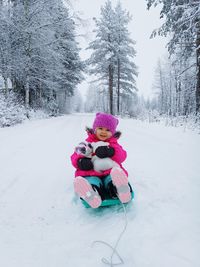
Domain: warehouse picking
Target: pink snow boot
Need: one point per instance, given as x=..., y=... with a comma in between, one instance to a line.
x=120, y=180
x=84, y=190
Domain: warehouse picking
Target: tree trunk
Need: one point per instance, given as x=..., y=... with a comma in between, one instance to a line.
x=27, y=49
x=161, y=90
x=40, y=94
x=198, y=69
x=118, y=86
x=110, y=77
x=6, y=86
x=27, y=96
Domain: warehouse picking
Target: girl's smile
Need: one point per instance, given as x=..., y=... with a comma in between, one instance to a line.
x=102, y=133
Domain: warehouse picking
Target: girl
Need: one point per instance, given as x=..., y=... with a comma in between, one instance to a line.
x=92, y=185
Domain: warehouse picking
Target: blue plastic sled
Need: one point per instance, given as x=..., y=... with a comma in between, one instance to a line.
x=107, y=202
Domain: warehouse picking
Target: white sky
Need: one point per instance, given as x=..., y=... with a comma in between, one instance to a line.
x=142, y=24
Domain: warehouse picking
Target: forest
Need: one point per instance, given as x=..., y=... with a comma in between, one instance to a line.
x=41, y=66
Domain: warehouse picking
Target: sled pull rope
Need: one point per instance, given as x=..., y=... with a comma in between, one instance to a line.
x=114, y=249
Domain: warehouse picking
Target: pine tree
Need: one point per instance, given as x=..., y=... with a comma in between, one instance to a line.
x=66, y=50
x=103, y=58
x=5, y=48
x=175, y=92
x=39, y=52
x=183, y=24
x=112, y=57
x=125, y=53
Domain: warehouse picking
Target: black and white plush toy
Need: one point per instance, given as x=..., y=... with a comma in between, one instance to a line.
x=88, y=149
x=102, y=164
x=85, y=149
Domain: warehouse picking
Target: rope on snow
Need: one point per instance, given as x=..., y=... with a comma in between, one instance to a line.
x=114, y=249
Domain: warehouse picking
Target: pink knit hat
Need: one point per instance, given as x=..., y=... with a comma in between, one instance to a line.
x=105, y=120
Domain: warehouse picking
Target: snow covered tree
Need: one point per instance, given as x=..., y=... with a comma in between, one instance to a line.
x=12, y=110
x=182, y=22
x=102, y=59
x=97, y=100
x=113, y=53
x=76, y=102
x=42, y=56
x=175, y=87
x=5, y=48
x=126, y=70
x=67, y=73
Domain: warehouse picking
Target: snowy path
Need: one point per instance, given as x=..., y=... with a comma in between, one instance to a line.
x=43, y=225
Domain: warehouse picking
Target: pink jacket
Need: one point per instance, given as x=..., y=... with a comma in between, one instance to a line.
x=119, y=157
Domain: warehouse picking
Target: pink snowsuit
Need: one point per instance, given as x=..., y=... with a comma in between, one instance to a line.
x=119, y=157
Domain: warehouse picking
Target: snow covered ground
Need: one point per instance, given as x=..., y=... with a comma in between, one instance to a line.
x=42, y=224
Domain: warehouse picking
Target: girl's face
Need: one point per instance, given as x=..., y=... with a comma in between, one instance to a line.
x=102, y=133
